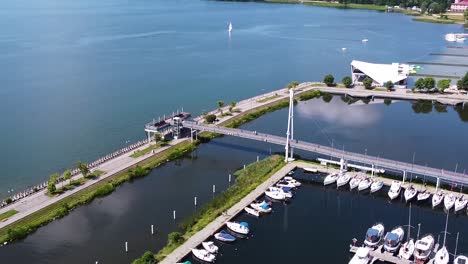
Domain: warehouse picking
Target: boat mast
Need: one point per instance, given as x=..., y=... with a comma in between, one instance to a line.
x=456, y=245
x=445, y=232
x=409, y=223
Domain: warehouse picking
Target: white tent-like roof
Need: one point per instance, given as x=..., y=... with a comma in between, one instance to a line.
x=382, y=73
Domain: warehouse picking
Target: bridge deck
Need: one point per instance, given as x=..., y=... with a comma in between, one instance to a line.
x=388, y=164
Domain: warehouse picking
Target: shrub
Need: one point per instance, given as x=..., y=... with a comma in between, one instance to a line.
x=443, y=84
x=104, y=190
x=429, y=82
x=420, y=83
x=175, y=238
x=329, y=80
x=389, y=85
x=147, y=258
x=347, y=81
x=210, y=118
x=367, y=83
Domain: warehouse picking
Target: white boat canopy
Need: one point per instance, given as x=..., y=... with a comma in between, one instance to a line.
x=397, y=73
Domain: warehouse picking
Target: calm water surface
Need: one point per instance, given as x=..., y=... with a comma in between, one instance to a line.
x=80, y=78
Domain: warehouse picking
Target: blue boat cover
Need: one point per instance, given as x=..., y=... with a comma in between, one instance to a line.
x=286, y=189
x=244, y=224
x=226, y=235
x=265, y=206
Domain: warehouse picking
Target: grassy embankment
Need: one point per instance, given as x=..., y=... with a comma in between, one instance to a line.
x=147, y=150
x=431, y=19
x=347, y=6
x=246, y=181
x=7, y=214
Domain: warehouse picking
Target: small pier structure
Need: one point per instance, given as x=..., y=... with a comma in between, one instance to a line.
x=166, y=125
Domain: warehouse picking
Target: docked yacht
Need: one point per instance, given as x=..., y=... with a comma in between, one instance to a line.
x=287, y=191
x=275, y=195
x=441, y=256
x=437, y=198
x=210, y=247
x=310, y=170
x=364, y=184
x=451, y=37
x=410, y=193
x=362, y=256
x=423, y=248
x=423, y=195
x=407, y=249
x=285, y=183
x=293, y=181
x=449, y=201
x=224, y=236
x=461, y=260
x=331, y=178
x=393, y=239
x=354, y=182
x=262, y=207
x=376, y=186
x=395, y=189
x=241, y=228
x=252, y=211
x=374, y=235
x=343, y=179
x=204, y=255
x=460, y=203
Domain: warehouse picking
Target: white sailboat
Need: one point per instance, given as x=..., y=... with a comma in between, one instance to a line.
x=460, y=203
x=343, y=179
x=410, y=193
x=252, y=211
x=330, y=178
x=210, y=247
x=364, y=184
x=437, y=198
x=230, y=27
x=295, y=182
x=442, y=255
x=354, y=182
x=423, y=195
x=204, y=255
x=449, y=201
x=376, y=186
x=395, y=189
x=407, y=249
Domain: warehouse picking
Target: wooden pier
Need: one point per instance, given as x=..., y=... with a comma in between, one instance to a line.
x=379, y=255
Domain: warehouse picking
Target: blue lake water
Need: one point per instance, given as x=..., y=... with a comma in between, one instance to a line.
x=79, y=79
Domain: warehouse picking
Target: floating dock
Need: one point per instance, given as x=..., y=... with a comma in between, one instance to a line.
x=378, y=255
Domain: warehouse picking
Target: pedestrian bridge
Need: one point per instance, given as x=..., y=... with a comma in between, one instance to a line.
x=388, y=164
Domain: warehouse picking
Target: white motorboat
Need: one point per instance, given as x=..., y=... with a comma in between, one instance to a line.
x=365, y=40
x=393, y=239
x=354, y=182
x=449, y=201
x=310, y=170
x=286, y=191
x=224, y=236
x=230, y=27
x=343, y=179
x=364, y=184
x=374, y=235
x=423, y=248
x=451, y=37
x=204, y=255
x=460, y=39
x=284, y=183
x=331, y=178
x=252, y=211
x=410, y=193
x=423, y=195
x=293, y=181
x=407, y=249
x=262, y=207
x=291, y=173
x=441, y=256
x=362, y=256
x=395, y=189
x=376, y=186
x=460, y=203
x=437, y=198
x=241, y=228
x=210, y=247
x=461, y=260
x=276, y=195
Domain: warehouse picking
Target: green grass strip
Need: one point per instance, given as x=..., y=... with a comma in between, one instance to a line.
x=7, y=214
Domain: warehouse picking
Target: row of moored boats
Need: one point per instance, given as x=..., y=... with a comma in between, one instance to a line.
x=281, y=191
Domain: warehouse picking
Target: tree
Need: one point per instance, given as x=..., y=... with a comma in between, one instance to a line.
x=389, y=85
x=83, y=168
x=329, y=80
x=175, y=238
x=347, y=81
x=51, y=184
x=464, y=82
x=221, y=105
x=387, y=101
x=66, y=176
x=443, y=84
x=420, y=83
x=367, y=83
x=465, y=15
x=429, y=82
x=232, y=105
x=158, y=137
x=293, y=84
x=210, y=118
x=147, y=258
